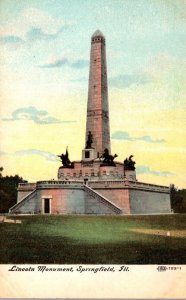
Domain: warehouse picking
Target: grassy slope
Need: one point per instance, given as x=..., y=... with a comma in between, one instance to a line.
x=92, y=240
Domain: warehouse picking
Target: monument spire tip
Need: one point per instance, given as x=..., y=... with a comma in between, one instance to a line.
x=97, y=33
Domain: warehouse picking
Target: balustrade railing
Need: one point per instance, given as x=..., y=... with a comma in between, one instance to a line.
x=95, y=184
x=127, y=184
x=59, y=183
x=27, y=185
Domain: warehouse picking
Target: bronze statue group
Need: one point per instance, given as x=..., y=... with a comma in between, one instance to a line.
x=106, y=158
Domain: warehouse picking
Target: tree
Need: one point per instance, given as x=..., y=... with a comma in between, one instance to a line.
x=178, y=199
x=1, y=170
x=8, y=191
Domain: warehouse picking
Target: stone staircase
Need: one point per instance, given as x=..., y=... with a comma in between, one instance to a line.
x=102, y=199
x=20, y=203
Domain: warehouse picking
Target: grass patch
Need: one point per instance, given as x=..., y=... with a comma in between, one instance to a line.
x=94, y=240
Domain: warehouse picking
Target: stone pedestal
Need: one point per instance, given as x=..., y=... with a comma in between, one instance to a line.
x=89, y=154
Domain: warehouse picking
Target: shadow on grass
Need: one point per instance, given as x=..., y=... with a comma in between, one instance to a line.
x=21, y=247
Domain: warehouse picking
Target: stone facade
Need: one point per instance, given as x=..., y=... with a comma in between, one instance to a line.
x=135, y=197
x=149, y=202
x=94, y=197
x=64, y=198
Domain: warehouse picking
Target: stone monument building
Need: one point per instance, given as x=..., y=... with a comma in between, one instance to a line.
x=98, y=183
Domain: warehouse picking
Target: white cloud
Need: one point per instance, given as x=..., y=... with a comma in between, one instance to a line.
x=37, y=18
x=33, y=114
x=147, y=170
x=32, y=18
x=123, y=135
x=163, y=149
x=29, y=152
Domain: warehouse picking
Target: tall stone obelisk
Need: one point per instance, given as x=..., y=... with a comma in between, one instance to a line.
x=97, y=107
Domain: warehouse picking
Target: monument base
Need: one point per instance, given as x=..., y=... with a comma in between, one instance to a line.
x=98, y=197
x=92, y=170
x=89, y=154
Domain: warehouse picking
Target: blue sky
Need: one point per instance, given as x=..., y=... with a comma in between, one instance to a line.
x=45, y=48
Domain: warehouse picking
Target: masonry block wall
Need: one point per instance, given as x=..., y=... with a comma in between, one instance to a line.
x=120, y=197
x=22, y=194
x=71, y=198
x=93, y=206
x=149, y=202
x=64, y=201
x=25, y=190
x=32, y=205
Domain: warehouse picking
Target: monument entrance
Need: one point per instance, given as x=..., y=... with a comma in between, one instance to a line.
x=46, y=205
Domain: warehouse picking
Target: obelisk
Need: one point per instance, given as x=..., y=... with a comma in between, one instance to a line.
x=97, y=107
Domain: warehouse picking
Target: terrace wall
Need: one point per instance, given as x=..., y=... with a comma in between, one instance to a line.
x=64, y=199
x=69, y=197
x=120, y=197
x=149, y=202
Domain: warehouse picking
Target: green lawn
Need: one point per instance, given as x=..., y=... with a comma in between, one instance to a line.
x=94, y=240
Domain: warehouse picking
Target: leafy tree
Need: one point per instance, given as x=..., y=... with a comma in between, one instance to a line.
x=178, y=199
x=8, y=191
x=1, y=170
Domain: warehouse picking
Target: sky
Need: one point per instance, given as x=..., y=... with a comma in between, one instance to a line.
x=44, y=67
